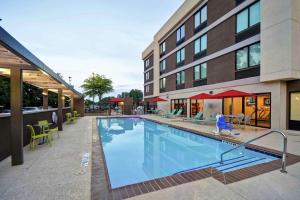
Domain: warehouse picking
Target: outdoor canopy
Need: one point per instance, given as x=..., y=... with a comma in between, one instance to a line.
x=232, y=93
x=202, y=96
x=116, y=100
x=157, y=99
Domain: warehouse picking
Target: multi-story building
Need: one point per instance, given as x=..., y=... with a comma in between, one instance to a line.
x=210, y=46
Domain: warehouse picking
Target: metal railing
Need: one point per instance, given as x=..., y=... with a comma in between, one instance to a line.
x=283, y=167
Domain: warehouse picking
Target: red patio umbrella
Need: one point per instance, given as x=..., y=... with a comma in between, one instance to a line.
x=232, y=93
x=157, y=99
x=116, y=100
x=202, y=96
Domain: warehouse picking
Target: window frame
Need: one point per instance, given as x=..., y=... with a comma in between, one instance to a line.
x=200, y=44
x=248, y=58
x=200, y=17
x=200, y=72
x=162, y=47
x=160, y=65
x=180, y=78
x=181, y=30
x=248, y=18
x=181, y=52
x=162, y=83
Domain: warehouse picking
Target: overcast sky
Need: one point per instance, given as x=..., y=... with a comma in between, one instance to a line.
x=78, y=37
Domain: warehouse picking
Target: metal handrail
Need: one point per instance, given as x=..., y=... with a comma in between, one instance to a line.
x=283, y=167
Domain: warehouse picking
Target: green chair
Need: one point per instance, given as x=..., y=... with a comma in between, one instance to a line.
x=35, y=137
x=169, y=114
x=70, y=118
x=75, y=114
x=194, y=119
x=47, y=129
x=178, y=114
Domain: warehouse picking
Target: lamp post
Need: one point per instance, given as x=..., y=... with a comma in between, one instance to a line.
x=93, y=92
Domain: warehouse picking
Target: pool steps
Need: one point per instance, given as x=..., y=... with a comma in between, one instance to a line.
x=230, y=164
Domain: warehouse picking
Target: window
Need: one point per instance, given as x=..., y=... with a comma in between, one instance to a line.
x=147, y=76
x=162, y=66
x=248, y=17
x=162, y=47
x=248, y=57
x=180, y=56
x=162, y=83
x=180, y=78
x=200, y=17
x=200, y=72
x=180, y=34
x=147, y=63
x=200, y=44
x=147, y=88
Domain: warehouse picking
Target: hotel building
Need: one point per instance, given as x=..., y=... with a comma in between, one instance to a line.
x=210, y=46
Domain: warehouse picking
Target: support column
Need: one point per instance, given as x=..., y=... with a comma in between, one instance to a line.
x=72, y=102
x=60, y=112
x=45, y=99
x=16, y=119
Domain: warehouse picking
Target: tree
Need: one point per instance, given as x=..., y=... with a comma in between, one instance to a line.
x=124, y=95
x=137, y=96
x=96, y=86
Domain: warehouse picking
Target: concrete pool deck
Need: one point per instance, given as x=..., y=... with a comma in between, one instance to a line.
x=52, y=172
x=56, y=172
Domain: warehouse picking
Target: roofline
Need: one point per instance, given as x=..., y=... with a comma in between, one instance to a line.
x=12, y=44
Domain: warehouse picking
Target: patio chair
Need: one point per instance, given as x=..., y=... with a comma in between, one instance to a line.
x=75, y=114
x=176, y=115
x=247, y=120
x=34, y=137
x=47, y=129
x=70, y=118
x=239, y=118
x=198, y=116
x=207, y=120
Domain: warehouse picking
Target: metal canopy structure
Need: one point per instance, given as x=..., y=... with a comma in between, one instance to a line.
x=15, y=55
x=20, y=65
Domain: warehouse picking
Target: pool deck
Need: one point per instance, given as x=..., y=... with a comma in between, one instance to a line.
x=56, y=172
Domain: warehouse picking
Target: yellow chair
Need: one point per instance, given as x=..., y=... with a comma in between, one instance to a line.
x=70, y=118
x=45, y=125
x=34, y=137
x=75, y=114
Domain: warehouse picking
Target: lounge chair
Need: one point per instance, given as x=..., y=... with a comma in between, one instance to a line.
x=45, y=125
x=70, y=118
x=207, y=120
x=35, y=137
x=169, y=114
x=223, y=125
x=247, y=120
x=198, y=116
x=176, y=115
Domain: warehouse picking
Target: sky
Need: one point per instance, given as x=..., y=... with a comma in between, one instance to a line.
x=78, y=37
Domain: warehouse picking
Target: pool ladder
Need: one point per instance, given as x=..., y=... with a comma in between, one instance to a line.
x=283, y=166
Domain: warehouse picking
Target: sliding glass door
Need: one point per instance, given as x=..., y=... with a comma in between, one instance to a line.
x=294, y=121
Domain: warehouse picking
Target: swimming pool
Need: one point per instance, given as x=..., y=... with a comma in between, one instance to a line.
x=138, y=150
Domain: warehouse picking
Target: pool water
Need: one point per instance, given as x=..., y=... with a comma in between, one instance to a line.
x=138, y=150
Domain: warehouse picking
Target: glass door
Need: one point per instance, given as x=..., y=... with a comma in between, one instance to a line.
x=263, y=107
x=294, y=121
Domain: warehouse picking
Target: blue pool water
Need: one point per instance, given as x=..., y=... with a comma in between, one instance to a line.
x=138, y=150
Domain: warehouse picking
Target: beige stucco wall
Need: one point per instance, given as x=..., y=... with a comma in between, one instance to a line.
x=280, y=39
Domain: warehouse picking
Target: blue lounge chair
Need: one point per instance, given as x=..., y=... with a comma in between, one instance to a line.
x=198, y=116
x=179, y=112
x=169, y=114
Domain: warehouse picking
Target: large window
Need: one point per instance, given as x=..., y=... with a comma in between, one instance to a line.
x=162, y=83
x=180, y=34
x=147, y=62
x=147, y=75
x=180, y=56
x=180, y=78
x=200, y=44
x=200, y=17
x=248, y=17
x=162, y=47
x=147, y=88
x=162, y=66
x=248, y=57
x=295, y=106
x=200, y=72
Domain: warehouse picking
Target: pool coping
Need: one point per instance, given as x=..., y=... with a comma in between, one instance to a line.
x=100, y=182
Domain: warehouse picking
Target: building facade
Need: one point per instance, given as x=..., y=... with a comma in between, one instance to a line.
x=210, y=46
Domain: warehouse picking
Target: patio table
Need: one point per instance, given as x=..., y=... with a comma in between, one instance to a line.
x=42, y=126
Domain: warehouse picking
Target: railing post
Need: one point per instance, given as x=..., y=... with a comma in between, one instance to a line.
x=283, y=168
